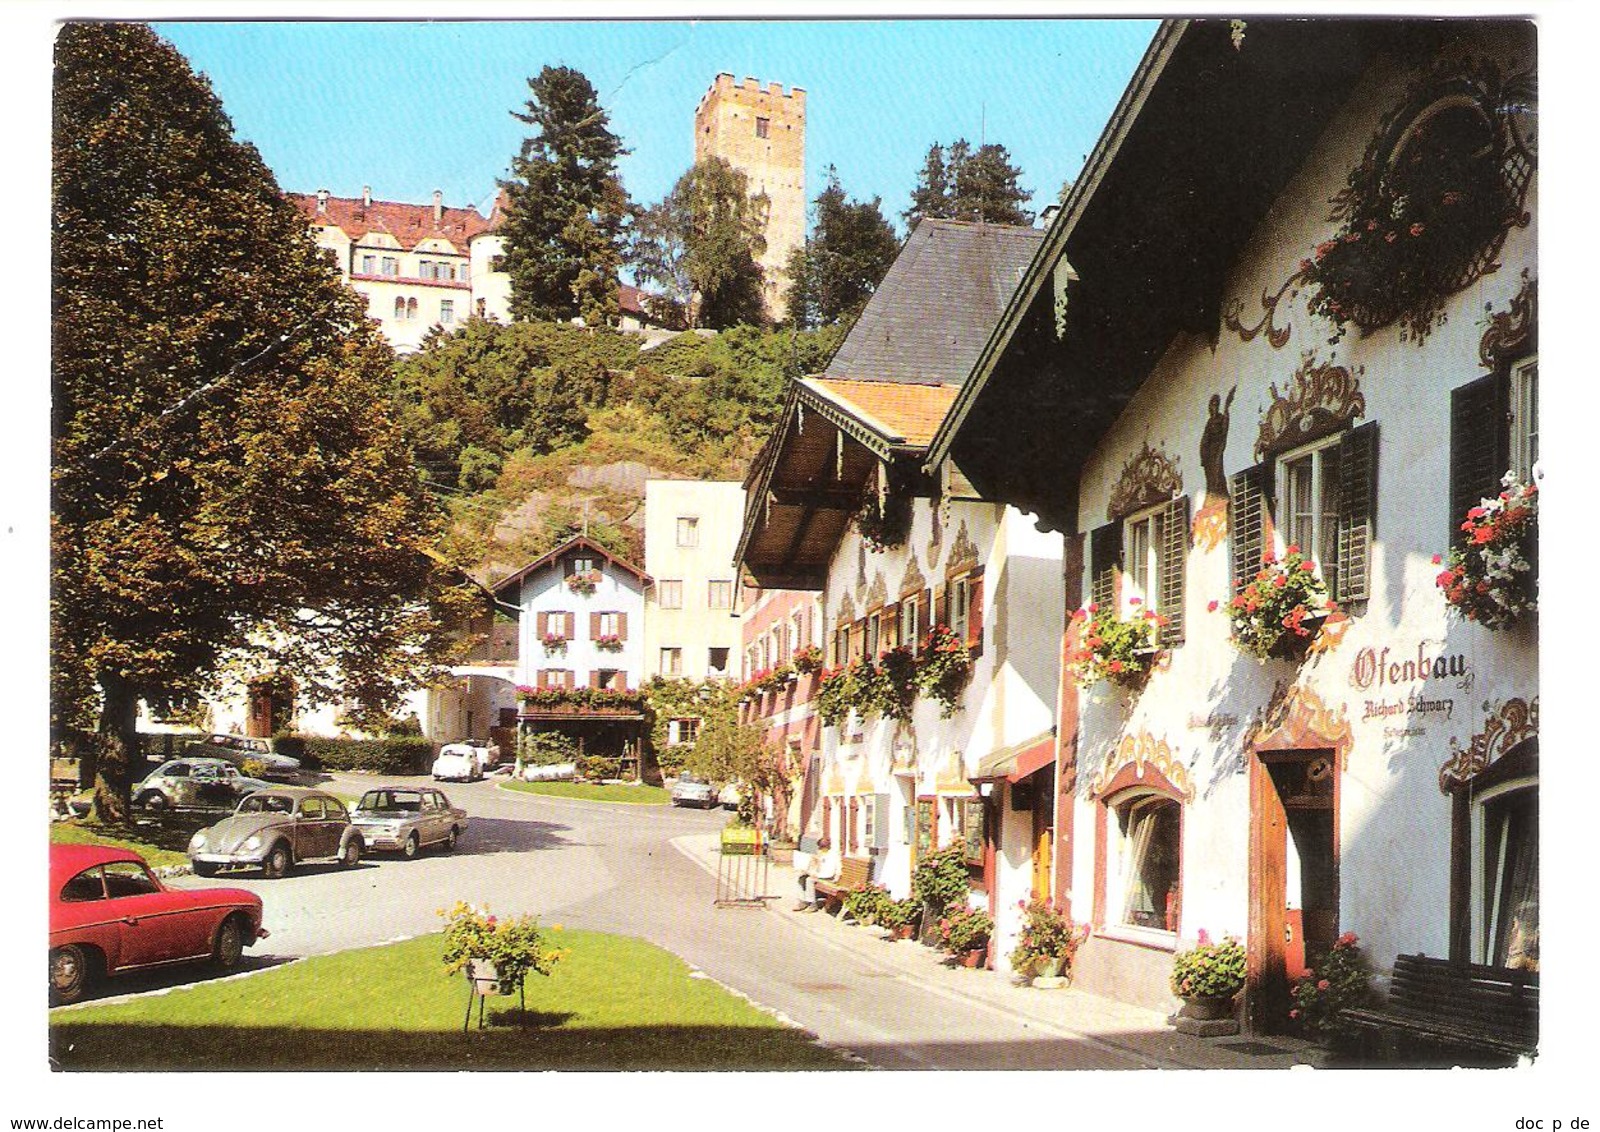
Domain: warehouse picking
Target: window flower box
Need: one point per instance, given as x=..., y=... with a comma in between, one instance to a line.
x=1490, y=578
x=1120, y=649
x=608, y=642
x=1280, y=611
x=554, y=643
x=583, y=582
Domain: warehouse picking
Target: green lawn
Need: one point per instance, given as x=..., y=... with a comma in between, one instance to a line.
x=157, y=844
x=596, y=792
x=613, y=1003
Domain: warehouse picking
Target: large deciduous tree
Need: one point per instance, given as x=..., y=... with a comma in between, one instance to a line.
x=700, y=248
x=229, y=492
x=850, y=249
x=960, y=183
x=565, y=205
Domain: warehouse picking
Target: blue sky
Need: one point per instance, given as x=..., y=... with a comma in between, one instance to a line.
x=408, y=107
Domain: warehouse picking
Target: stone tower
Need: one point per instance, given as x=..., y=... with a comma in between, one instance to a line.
x=761, y=131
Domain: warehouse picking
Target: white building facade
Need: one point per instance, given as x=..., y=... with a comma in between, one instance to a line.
x=691, y=621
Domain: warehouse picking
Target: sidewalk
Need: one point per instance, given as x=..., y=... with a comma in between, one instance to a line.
x=1067, y=1012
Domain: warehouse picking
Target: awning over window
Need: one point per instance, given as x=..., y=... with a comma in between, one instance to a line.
x=1018, y=761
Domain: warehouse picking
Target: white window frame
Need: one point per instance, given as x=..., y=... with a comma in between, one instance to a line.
x=1482, y=890
x=959, y=600
x=1120, y=812
x=610, y=626
x=798, y=621
x=669, y=594
x=1324, y=508
x=909, y=629
x=712, y=592
x=688, y=531
x=1141, y=576
x=672, y=660
x=447, y=311
x=1525, y=416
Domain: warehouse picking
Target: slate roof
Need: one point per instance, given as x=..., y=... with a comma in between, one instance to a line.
x=930, y=317
x=409, y=224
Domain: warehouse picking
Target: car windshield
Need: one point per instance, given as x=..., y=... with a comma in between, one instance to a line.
x=266, y=804
x=390, y=802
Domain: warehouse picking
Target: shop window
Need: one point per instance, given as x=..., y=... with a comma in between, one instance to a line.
x=1507, y=888
x=669, y=594
x=1147, y=854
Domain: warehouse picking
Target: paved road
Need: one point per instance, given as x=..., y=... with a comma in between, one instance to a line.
x=614, y=868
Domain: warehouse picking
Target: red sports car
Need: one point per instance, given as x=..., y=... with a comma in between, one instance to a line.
x=109, y=914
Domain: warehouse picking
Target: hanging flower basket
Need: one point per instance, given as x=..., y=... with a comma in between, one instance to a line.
x=1280, y=611
x=943, y=668
x=1122, y=650
x=1491, y=579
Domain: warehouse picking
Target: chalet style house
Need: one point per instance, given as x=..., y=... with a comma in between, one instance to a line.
x=1273, y=377
x=941, y=657
x=581, y=647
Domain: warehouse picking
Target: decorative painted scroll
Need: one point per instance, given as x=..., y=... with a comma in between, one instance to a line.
x=1516, y=720
x=1149, y=757
x=1512, y=332
x=1318, y=401
x=1277, y=336
x=912, y=580
x=1148, y=478
x=1297, y=719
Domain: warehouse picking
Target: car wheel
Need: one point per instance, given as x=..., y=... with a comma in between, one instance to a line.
x=229, y=948
x=205, y=868
x=154, y=804
x=70, y=973
x=412, y=846
x=350, y=855
x=278, y=862
x=451, y=838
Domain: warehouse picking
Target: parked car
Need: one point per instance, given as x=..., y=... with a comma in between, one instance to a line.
x=237, y=748
x=194, y=784
x=692, y=790
x=407, y=819
x=109, y=915
x=461, y=762
x=275, y=830
x=728, y=797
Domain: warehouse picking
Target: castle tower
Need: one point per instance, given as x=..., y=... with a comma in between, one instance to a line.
x=761, y=131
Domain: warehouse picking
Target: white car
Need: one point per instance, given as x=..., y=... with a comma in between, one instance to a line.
x=460, y=762
x=728, y=797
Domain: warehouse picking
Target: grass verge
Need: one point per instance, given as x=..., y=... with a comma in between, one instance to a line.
x=614, y=1003
x=596, y=792
x=159, y=845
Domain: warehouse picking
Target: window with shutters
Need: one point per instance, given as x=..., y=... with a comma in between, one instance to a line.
x=960, y=611
x=1143, y=536
x=874, y=633
x=1144, y=557
x=610, y=624
x=1524, y=418
x=1321, y=497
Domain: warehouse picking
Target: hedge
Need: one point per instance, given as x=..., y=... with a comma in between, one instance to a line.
x=407, y=754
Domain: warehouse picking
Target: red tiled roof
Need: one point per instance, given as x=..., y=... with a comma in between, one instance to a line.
x=409, y=224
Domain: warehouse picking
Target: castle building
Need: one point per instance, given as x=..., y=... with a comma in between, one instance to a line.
x=761, y=131
x=417, y=265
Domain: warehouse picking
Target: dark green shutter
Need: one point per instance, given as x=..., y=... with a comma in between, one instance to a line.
x=1358, y=506
x=1105, y=559
x=1174, y=568
x=1480, y=444
x=1249, y=512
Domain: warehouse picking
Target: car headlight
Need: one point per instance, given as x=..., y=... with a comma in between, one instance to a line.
x=251, y=843
x=198, y=840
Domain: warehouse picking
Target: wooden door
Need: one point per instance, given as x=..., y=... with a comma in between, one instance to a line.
x=1043, y=848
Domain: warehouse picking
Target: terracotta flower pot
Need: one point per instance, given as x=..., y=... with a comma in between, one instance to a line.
x=975, y=957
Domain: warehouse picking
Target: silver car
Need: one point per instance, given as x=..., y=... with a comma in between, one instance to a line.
x=275, y=830
x=194, y=784
x=406, y=818
x=237, y=748
x=692, y=790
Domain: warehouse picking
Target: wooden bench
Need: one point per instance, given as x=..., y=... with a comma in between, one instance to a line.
x=854, y=873
x=1487, y=1015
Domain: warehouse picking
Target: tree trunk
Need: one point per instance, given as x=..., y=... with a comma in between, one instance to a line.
x=116, y=749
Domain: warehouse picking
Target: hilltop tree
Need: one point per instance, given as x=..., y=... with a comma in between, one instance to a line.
x=565, y=205
x=230, y=494
x=959, y=183
x=840, y=265
x=700, y=247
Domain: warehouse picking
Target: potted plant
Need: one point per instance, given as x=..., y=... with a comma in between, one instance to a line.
x=497, y=954
x=583, y=582
x=1280, y=611
x=965, y=932
x=939, y=883
x=1340, y=980
x=900, y=917
x=1119, y=649
x=942, y=668
x=808, y=660
x=554, y=643
x=1208, y=976
x=1490, y=578
x=866, y=905
x=608, y=642
x=1047, y=943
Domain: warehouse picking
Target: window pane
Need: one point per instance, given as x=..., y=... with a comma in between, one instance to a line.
x=1511, y=880
x=1300, y=530
x=1150, y=839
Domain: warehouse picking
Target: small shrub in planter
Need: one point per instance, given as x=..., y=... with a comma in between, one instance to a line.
x=965, y=929
x=1340, y=980
x=866, y=905
x=1280, y=611
x=808, y=660
x=1047, y=934
x=940, y=880
x=897, y=915
x=943, y=668
x=1209, y=970
x=515, y=946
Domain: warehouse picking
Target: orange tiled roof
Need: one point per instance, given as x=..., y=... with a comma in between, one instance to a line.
x=902, y=412
x=410, y=224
